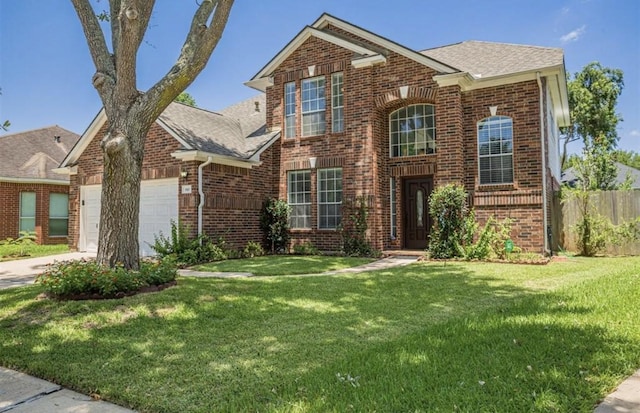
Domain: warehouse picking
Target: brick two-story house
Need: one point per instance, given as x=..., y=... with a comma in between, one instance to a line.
x=346, y=114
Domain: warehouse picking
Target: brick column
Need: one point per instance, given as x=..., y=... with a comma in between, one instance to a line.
x=449, y=136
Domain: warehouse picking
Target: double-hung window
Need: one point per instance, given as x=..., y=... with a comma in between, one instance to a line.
x=495, y=150
x=337, y=103
x=58, y=215
x=27, y=211
x=299, y=198
x=313, y=106
x=290, y=110
x=329, y=198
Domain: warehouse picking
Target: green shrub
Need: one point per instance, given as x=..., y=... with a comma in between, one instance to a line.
x=87, y=277
x=274, y=223
x=451, y=225
x=21, y=246
x=189, y=251
x=305, y=248
x=252, y=249
x=353, y=229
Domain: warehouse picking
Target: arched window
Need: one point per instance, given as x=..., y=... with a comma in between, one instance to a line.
x=495, y=150
x=412, y=131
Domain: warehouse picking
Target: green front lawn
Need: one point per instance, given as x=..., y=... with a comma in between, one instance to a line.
x=284, y=264
x=428, y=337
x=16, y=251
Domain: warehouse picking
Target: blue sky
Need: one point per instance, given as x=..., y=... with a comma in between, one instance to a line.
x=46, y=69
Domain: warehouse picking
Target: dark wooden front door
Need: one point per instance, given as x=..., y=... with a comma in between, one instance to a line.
x=417, y=222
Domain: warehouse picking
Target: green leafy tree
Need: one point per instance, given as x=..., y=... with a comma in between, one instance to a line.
x=187, y=99
x=593, y=96
x=131, y=112
x=629, y=158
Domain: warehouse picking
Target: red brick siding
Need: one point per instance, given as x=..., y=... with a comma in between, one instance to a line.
x=370, y=95
x=10, y=210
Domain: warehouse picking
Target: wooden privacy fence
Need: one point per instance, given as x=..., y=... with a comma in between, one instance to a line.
x=618, y=206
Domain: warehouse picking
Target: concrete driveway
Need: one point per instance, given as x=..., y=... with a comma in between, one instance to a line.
x=22, y=272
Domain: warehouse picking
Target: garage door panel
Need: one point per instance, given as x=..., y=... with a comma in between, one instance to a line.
x=158, y=207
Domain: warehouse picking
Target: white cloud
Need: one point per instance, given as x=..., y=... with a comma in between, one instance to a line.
x=574, y=35
x=634, y=132
x=565, y=10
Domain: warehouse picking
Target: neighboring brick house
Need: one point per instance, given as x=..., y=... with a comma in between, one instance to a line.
x=364, y=116
x=32, y=197
x=346, y=114
x=231, y=150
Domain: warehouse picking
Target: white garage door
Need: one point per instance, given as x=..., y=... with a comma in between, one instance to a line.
x=158, y=206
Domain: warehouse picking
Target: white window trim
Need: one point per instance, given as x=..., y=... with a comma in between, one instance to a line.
x=319, y=173
x=513, y=172
x=303, y=113
x=296, y=203
x=340, y=84
x=291, y=115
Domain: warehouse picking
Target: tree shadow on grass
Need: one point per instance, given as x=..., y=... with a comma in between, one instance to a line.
x=419, y=338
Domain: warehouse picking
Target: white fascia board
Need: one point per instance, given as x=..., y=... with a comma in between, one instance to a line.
x=257, y=83
x=67, y=170
x=368, y=61
x=462, y=79
x=326, y=19
x=557, y=85
x=85, y=139
x=201, y=156
x=33, y=181
x=256, y=156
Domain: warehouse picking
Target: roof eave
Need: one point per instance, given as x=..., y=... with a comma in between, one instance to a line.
x=32, y=181
x=202, y=156
x=256, y=155
x=85, y=139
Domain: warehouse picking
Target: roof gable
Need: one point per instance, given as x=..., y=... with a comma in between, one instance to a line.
x=363, y=55
x=32, y=155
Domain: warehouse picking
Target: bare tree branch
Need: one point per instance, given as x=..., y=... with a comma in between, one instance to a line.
x=196, y=50
x=105, y=75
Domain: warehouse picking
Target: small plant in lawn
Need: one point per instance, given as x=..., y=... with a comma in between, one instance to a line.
x=68, y=279
x=252, y=249
x=305, y=248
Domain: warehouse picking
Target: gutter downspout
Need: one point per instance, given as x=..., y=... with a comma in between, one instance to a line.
x=544, y=167
x=201, y=193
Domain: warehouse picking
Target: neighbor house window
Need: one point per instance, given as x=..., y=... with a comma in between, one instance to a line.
x=290, y=110
x=27, y=211
x=412, y=131
x=329, y=198
x=392, y=202
x=337, y=103
x=299, y=198
x=495, y=150
x=58, y=215
x=313, y=106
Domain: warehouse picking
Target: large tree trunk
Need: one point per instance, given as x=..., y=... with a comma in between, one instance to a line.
x=130, y=112
x=123, y=153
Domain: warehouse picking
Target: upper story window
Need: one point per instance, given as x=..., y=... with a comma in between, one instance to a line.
x=337, y=103
x=412, y=131
x=495, y=150
x=313, y=106
x=290, y=110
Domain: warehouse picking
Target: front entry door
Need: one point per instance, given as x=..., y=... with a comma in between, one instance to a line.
x=417, y=221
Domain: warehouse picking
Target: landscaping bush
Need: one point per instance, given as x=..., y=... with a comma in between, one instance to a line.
x=305, y=248
x=252, y=249
x=451, y=225
x=189, y=251
x=86, y=278
x=21, y=246
x=274, y=223
x=353, y=229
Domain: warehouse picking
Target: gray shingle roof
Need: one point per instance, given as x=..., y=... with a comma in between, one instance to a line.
x=33, y=154
x=570, y=177
x=487, y=59
x=237, y=131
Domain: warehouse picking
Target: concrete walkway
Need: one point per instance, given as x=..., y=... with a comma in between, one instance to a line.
x=22, y=272
x=20, y=393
